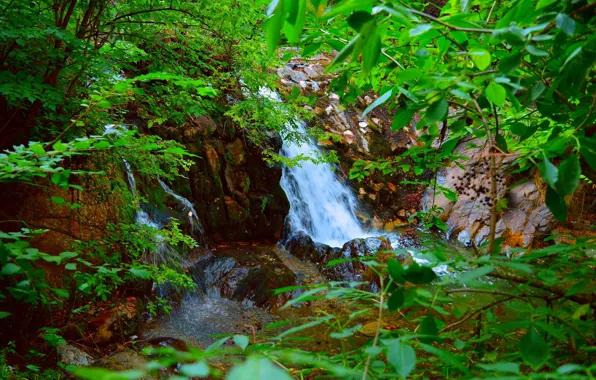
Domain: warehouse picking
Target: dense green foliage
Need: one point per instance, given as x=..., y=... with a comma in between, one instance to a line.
x=516, y=76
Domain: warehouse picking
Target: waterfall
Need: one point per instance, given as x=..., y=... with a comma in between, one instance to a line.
x=320, y=203
x=187, y=206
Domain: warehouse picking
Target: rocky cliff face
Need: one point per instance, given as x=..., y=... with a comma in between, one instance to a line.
x=524, y=218
x=236, y=194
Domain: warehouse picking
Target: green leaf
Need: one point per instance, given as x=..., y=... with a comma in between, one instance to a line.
x=420, y=275
x=4, y=314
x=382, y=99
x=345, y=333
x=396, y=271
x=556, y=204
x=294, y=26
x=534, y=349
x=70, y=266
x=358, y=19
x=481, y=58
x=402, y=357
x=549, y=172
x=143, y=274
x=535, y=51
x=569, y=368
x=257, y=368
x=459, y=344
x=420, y=29
x=38, y=149
x=437, y=111
x=344, y=53
x=565, y=23
x=473, y=274
x=59, y=147
x=89, y=373
x=581, y=311
x=518, y=128
x=274, y=24
x=372, y=52
x=347, y=6
x=500, y=367
x=200, y=369
x=61, y=293
x=458, y=125
x=396, y=300
x=544, y=3
x=10, y=269
x=496, y=94
x=428, y=326
x=241, y=341
x=68, y=255
x=509, y=63
x=502, y=143
x=104, y=103
x=217, y=344
x=445, y=356
x=402, y=118
x=569, y=172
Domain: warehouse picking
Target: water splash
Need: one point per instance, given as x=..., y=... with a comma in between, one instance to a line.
x=188, y=208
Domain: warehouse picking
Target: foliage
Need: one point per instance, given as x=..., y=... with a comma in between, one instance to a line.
x=515, y=77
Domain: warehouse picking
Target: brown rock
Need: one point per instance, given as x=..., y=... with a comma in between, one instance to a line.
x=236, y=214
x=349, y=137
x=212, y=159
x=235, y=152
x=122, y=319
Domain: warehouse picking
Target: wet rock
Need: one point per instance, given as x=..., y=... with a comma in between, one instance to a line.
x=302, y=246
x=118, y=321
x=212, y=159
x=198, y=127
x=123, y=361
x=163, y=342
x=248, y=274
x=236, y=214
x=70, y=355
x=235, y=152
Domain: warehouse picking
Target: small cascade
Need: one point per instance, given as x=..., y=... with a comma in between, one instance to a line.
x=320, y=203
x=188, y=207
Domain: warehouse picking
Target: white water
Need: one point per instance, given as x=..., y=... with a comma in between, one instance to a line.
x=320, y=203
x=188, y=207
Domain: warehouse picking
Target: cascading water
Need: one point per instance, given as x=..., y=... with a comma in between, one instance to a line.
x=187, y=206
x=320, y=203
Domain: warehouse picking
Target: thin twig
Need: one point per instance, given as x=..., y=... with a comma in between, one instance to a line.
x=493, y=180
x=475, y=313
x=452, y=27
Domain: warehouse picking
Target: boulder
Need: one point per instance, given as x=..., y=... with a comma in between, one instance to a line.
x=302, y=246
x=525, y=217
x=247, y=274
x=118, y=321
x=123, y=361
x=70, y=355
